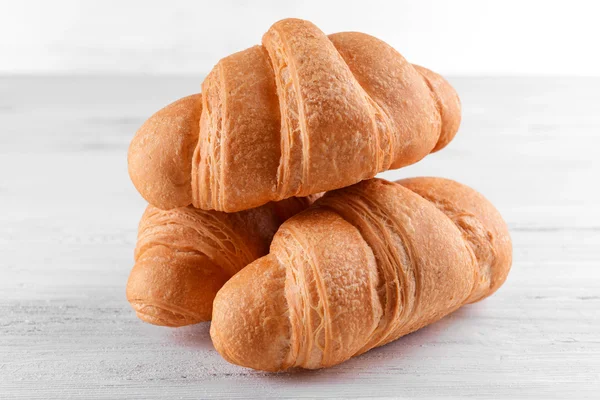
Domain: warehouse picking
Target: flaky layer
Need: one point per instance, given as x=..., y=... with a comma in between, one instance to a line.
x=301, y=114
x=364, y=266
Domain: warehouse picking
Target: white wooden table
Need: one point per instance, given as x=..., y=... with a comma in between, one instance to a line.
x=68, y=219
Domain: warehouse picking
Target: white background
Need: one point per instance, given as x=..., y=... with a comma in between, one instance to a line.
x=466, y=37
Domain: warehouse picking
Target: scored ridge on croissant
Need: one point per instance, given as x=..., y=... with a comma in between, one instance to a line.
x=300, y=114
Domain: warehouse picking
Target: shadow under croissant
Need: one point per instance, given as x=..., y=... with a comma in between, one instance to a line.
x=390, y=355
x=193, y=336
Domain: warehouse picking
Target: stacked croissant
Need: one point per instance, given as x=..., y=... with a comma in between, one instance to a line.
x=239, y=231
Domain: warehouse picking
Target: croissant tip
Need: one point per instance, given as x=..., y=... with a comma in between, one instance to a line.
x=250, y=325
x=159, y=155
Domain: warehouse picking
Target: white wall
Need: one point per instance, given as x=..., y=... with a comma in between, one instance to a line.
x=453, y=37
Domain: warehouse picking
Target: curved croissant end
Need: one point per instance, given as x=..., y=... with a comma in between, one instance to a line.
x=160, y=154
x=480, y=223
x=366, y=265
x=300, y=114
x=447, y=103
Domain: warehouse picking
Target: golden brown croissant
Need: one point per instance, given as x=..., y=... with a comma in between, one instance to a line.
x=364, y=266
x=301, y=114
x=184, y=256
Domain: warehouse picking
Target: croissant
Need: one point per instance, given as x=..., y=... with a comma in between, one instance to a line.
x=301, y=114
x=364, y=266
x=184, y=256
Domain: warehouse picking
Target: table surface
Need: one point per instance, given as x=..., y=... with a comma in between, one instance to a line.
x=68, y=229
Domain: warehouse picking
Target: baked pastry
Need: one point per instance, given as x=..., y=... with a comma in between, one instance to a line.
x=362, y=267
x=302, y=113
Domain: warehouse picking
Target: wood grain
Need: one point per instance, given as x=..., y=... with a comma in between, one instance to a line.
x=68, y=225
